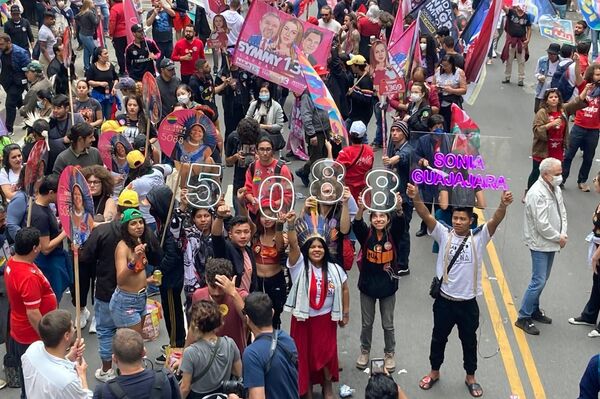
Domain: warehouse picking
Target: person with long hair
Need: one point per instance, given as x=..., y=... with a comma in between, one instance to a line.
x=197, y=250
x=86, y=106
x=289, y=34
x=102, y=78
x=134, y=118
x=451, y=83
x=218, y=42
x=12, y=163
x=429, y=58
x=128, y=302
x=87, y=22
x=418, y=108
x=269, y=114
x=101, y=185
x=349, y=35
x=551, y=129
x=319, y=301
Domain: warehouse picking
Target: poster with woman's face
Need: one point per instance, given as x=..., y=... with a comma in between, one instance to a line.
x=36, y=166
x=75, y=205
x=385, y=80
x=218, y=36
x=113, y=146
x=151, y=97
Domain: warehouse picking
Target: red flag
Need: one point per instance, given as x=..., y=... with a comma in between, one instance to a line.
x=398, y=27
x=404, y=50
x=466, y=132
x=131, y=18
x=100, y=34
x=67, y=50
x=361, y=9
x=477, y=52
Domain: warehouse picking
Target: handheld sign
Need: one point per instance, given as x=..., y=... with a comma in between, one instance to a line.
x=75, y=205
x=113, y=146
x=380, y=192
x=187, y=136
x=151, y=97
x=327, y=186
x=36, y=166
x=275, y=195
x=204, y=189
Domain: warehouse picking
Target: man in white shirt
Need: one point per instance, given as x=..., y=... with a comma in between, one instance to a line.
x=327, y=20
x=458, y=266
x=234, y=20
x=48, y=369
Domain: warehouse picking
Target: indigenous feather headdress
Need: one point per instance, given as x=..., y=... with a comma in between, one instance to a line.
x=312, y=226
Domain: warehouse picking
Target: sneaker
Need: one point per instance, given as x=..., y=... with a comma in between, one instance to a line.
x=105, y=376
x=304, y=177
x=363, y=360
x=594, y=333
x=163, y=348
x=92, y=329
x=160, y=360
x=520, y=83
x=403, y=272
x=507, y=80
x=527, y=326
x=83, y=318
x=389, y=363
x=578, y=321
x=2, y=383
x=540, y=316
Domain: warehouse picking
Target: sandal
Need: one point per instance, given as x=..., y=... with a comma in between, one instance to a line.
x=583, y=187
x=474, y=389
x=427, y=382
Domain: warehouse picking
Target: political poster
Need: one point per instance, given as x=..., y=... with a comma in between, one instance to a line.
x=151, y=96
x=589, y=10
x=36, y=166
x=560, y=30
x=385, y=79
x=434, y=14
x=114, y=148
x=268, y=43
x=218, y=35
x=75, y=205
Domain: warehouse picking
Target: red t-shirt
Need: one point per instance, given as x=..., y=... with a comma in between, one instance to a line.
x=183, y=48
x=356, y=167
x=261, y=173
x=588, y=118
x=368, y=28
x=27, y=288
x=234, y=326
x=556, y=137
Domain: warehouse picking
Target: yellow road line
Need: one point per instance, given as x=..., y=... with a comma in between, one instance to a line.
x=508, y=359
x=530, y=367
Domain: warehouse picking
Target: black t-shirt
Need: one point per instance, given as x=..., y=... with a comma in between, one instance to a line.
x=232, y=146
x=19, y=32
x=44, y=220
x=97, y=75
x=139, y=386
x=6, y=72
x=517, y=26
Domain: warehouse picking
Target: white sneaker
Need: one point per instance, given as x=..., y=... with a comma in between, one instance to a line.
x=92, y=329
x=594, y=334
x=83, y=318
x=2, y=383
x=105, y=376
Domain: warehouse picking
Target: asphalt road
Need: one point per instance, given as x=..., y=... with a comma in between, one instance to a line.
x=510, y=363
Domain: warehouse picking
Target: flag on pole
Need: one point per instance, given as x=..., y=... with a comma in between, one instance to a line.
x=131, y=18
x=321, y=96
x=466, y=132
x=67, y=49
x=398, y=27
x=300, y=6
x=100, y=34
x=402, y=51
x=478, y=49
x=473, y=27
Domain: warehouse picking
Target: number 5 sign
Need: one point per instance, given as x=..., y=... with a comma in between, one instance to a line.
x=204, y=189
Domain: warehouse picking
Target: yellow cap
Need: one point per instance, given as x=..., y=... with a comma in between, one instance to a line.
x=112, y=126
x=357, y=60
x=135, y=159
x=129, y=199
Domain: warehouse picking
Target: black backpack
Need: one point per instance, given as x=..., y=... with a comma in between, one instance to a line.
x=560, y=81
x=276, y=172
x=117, y=391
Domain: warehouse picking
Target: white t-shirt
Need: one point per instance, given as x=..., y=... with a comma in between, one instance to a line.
x=298, y=268
x=8, y=178
x=460, y=277
x=235, y=22
x=45, y=35
x=332, y=25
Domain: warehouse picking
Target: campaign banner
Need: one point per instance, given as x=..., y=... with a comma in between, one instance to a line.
x=131, y=18
x=560, y=30
x=268, y=43
x=151, y=97
x=35, y=166
x=67, y=49
x=385, y=79
x=589, y=10
x=218, y=35
x=434, y=14
x=75, y=205
x=187, y=136
x=401, y=53
x=113, y=147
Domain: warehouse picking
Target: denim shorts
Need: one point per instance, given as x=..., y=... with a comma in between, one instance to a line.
x=126, y=308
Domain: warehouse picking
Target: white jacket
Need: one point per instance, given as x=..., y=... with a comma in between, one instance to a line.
x=545, y=217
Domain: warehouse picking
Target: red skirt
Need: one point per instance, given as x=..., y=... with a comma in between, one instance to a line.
x=316, y=340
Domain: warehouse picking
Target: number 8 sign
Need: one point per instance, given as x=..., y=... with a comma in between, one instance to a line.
x=328, y=186
x=380, y=193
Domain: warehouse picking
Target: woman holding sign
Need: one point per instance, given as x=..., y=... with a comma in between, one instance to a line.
x=128, y=302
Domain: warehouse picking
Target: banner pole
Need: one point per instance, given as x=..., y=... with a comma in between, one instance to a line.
x=77, y=290
x=170, y=213
x=71, y=96
x=29, y=205
x=384, y=134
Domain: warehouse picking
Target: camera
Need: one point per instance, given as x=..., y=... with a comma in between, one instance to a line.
x=233, y=386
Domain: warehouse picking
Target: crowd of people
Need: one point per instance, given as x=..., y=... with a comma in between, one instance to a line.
x=229, y=269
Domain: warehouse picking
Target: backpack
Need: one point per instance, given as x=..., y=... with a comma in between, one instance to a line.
x=277, y=171
x=117, y=391
x=560, y=81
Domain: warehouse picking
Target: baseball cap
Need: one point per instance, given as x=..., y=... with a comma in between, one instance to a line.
x=15, y=9
x=167, y=63
x=358, y=129
x=129, y=199
x=357, y=60
x=112, y=126
x=135, y=159
x=136, y=28
x=125, y=83
x=33, y=66
x=130, y=214
x=553, y=48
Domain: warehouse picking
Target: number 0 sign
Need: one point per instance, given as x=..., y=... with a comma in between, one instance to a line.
x=278, y=193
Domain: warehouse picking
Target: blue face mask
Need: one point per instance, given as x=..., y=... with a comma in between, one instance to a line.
x=438, y=130
x=264, y=97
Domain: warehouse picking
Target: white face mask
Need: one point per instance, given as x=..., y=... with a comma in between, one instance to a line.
x=184, y=99
x=557, y=180
x=423, y=46
x=414, y=97
x=40, y=104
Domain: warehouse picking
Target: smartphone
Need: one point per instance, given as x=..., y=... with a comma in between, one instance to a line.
x=377, y=366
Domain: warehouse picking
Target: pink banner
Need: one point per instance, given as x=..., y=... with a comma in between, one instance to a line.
x=75, y=205
x=131, y=18
x=112, y=145
x=266, y=46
